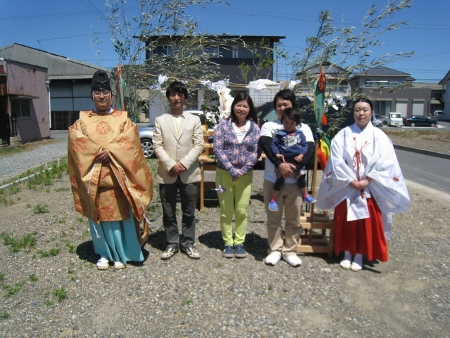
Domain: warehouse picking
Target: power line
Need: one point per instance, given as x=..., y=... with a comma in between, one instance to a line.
x=94, y=9
x=73, y=36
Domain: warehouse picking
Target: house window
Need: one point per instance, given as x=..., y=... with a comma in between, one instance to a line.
x=20, y=108
x=228, y=52
x=382, y=107
x=213, y=52
x=383, y=83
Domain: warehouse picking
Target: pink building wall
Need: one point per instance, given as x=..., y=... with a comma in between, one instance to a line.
x=28, y=80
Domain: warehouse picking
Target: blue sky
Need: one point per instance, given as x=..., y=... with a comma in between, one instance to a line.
x=78, y=29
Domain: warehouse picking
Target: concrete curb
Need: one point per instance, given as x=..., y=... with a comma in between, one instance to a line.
x=424, y=152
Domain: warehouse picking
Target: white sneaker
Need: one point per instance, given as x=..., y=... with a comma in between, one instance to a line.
x=103, y=263
x=293, y=260
x=273, y=258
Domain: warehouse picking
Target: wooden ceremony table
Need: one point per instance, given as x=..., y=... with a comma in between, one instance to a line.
x=207, y=164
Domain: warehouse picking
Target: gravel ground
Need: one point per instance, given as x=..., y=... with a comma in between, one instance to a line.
x=405, y=297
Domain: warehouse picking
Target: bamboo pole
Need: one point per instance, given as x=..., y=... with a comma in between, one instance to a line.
x=314, y=178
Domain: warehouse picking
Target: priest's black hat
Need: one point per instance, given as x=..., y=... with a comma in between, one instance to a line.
x=100, y=81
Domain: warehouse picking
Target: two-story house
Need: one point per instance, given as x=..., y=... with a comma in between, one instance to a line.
x=238, y=59
x=392, y=90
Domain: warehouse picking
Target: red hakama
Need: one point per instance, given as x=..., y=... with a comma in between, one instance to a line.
x=363, y=236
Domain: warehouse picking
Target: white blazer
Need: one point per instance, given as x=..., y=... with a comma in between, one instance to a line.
x=171, y=147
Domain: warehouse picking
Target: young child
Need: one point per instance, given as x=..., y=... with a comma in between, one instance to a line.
x=289, y=145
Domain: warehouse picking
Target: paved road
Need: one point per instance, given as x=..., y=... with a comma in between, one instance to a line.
x=426, y=170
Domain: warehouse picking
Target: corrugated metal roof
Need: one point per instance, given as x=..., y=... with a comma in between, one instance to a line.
x=58, y=66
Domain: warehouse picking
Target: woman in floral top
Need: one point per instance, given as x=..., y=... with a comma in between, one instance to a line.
x=236, y=151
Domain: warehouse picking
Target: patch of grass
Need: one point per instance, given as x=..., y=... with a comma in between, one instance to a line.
x=33, y=278
x=6, y=195
x=187, y=302
x=80, y=219
x=70, y=248
x=11, y=290
x=5, y=315
x=41, y=209
x=45, y=175
x=2, y=277
x=62, y=189
x=49, y=303
x=16, y=245
x=11, y=150
x=270, y=287
x=51, y=253
x=15, y=188
x=60, y=293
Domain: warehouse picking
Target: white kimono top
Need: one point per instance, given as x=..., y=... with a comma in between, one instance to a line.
x=355, y=155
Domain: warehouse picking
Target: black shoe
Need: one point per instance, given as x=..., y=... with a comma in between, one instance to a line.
x=228, y=252
x=239, y=251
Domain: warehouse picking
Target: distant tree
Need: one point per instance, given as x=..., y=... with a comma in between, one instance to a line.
x=350, y=48
x=188, y=54
x=262, y=62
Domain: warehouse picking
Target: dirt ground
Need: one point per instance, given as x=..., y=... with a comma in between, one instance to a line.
x=406, y=297
x=52, y=288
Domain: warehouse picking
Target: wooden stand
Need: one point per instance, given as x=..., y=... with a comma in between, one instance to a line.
x=313, y=241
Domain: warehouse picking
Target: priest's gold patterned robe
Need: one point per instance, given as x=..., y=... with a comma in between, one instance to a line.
x=104, y=191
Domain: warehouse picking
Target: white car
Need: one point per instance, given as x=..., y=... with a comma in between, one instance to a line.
x=395, y=119
x=439, y=115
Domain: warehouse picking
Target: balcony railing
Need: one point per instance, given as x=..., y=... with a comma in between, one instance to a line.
x=342, y=90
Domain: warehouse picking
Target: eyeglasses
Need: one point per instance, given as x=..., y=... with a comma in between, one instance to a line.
x=100, y=92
